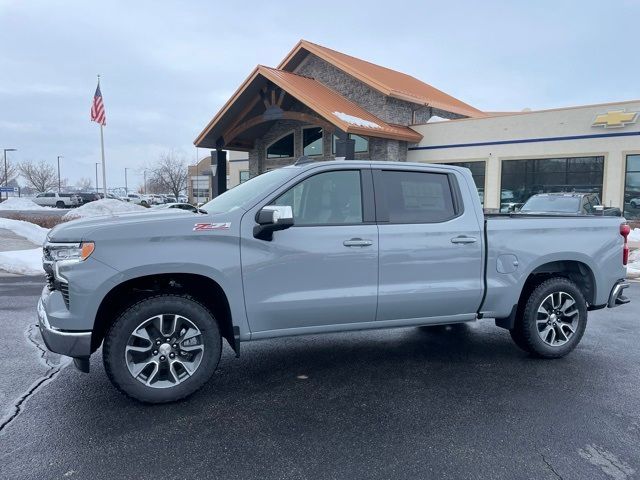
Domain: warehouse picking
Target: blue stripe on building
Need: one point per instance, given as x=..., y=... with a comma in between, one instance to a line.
x=527, y=140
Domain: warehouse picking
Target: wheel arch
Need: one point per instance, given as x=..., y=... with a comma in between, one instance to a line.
x=577, y=271
x=201, y=288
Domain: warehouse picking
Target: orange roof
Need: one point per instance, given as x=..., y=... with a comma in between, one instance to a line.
x=385, y=80
x=328, y=104
x=336, y=109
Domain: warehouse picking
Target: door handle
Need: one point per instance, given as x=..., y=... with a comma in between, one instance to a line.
x=464, y=239
x=357, y=242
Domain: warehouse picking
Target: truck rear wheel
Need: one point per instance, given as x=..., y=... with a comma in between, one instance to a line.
x=553, y=320
x=162, y=349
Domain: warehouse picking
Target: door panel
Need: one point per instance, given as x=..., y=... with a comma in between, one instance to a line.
x=429, y=269
x=323, y=270
x=307, y=277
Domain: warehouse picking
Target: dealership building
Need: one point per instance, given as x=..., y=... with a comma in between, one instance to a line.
x=325, y=104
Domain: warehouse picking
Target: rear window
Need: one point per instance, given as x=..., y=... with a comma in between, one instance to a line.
x=418, y=197
x=552, y=204
x=65, y=195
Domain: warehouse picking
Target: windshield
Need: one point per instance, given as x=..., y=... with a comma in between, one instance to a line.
x=552, y=204
x=255, y=187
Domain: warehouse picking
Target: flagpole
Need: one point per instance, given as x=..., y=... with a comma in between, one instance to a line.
x=104, y=169
x=104, y=174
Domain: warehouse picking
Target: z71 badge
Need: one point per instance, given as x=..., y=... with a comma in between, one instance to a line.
x=205, y=227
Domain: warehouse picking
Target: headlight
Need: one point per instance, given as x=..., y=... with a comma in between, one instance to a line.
x=69, y=252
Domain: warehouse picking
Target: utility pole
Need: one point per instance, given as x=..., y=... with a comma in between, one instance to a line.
x=126, y=186
x=59, y=157
x=97, y=176
x=6, y=174
x=144, y=174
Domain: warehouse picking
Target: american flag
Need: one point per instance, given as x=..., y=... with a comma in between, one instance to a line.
x=97, y=108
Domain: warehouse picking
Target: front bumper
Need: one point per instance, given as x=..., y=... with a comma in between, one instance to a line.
x=616, y=298
x=71, y=344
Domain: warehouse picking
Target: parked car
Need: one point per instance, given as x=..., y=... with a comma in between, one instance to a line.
x=110, y=196
x=156, y=199
x=138, y=199
x=88, y=196
x=319, y=247
x=181, y=206
x=59, y=200
x=183, y=199
x=567, y=203
x=635, y=202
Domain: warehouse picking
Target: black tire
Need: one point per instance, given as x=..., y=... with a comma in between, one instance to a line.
x=144, y=204
x=60, y=204
x=116, y=339
x=525, y=333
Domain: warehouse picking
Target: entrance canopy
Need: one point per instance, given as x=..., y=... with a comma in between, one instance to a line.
x=269, y=95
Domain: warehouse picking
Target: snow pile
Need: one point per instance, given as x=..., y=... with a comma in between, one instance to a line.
x=32, y=232
x=106, y=206
x=436, y=118
x=633, y=267
x=360, y=122
x=20, y=203
x=634, y=236
x=22, y=262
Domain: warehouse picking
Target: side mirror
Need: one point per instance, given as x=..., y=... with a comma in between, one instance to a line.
x=270, y=219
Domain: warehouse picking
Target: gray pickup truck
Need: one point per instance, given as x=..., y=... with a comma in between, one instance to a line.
x=312, y=248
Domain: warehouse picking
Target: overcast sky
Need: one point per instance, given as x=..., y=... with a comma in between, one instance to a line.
x=167, y=67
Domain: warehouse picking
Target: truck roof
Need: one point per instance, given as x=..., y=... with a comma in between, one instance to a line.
x=310, y=163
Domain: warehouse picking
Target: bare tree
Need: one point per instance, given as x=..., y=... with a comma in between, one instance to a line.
x=169, y=174
x=84, y=183
x=41, y=176
x=12, y=172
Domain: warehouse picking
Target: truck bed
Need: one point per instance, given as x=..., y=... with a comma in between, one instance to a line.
x=518, y=245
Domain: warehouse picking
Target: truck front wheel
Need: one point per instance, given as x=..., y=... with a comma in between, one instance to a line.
x=162, y=349
x=553, y=320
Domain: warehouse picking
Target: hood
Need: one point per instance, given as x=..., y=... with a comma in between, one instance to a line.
x=85, y=228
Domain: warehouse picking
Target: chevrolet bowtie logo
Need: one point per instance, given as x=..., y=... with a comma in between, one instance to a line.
x=614, y=119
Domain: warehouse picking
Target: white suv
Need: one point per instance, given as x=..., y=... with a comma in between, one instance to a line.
x=138, y=199
x=59, y=200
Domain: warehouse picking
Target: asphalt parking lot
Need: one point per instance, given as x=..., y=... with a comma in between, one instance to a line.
x=411, y=403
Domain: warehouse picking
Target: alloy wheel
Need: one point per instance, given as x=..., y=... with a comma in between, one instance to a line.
x=164, y=350
x=557, y=319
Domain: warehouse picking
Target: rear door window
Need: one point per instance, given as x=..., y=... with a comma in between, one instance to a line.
x=417, y=197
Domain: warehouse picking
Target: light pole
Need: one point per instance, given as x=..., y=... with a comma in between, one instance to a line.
x=59, y=157
x=126, y=186
x=97, y=176
x=6, y=174
x=144, y=174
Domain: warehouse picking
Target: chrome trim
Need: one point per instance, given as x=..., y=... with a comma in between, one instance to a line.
x=616, y=292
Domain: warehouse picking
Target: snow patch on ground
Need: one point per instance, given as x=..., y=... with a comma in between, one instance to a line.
x=634, y=236
x=353, y=120
x=436, y=118
x=20, y=203
x=106, y=206
x=22, y=262
x=32, y=232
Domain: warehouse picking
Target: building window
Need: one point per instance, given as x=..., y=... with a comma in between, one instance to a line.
x=282, y=148
x=524, y=178
x=632, y=188
x=312, y=141
x=478, y=171
x=244, y=176
x=362, y=143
